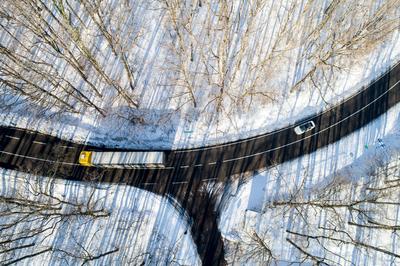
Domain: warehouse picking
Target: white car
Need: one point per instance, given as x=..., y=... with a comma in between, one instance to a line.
x=307, y=126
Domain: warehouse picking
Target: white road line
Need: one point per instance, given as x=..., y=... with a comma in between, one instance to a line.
x=168, y=168
x=316, y=133
x=289, y=126
x=130, y=167
x=233, y=159
x=68, y=147
x=11, y=137
x=67, y=163
x=208, y=179
x=245, y=140
x=38, y=159
x=148, y=184
x=137, y=167
x=39, y=142
x=182, y=182
x=196, y=165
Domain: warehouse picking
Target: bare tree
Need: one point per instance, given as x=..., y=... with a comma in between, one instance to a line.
x=211, y=46
x=32, y=213
x=357, y=216
x=253, y=248
x=347, y=208
x=180, y=20
x=39, y=33
x=346, y=31
x=117, y=41
x=221, y=57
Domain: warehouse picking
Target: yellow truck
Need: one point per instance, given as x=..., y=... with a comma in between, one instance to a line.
x=118, y=159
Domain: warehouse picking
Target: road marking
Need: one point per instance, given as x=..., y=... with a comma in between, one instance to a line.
x=249, y=139
x=197, y=165
x=159, y=167
x=289, y=126
x=148, y=184
x=316, y=133
x=134, y=167
x=68, y=163
x=68, y=147
x=208, y=179
x=11, y=137
x=38, y=159
x=39, y=142
x=238, y=158
x=182, y=182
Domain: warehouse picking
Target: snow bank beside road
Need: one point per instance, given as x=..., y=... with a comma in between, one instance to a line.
x=254, y=60
x=134, y=226
x=348, y=169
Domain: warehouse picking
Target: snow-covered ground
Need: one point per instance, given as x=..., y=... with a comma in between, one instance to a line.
x=142, y=226
x=346, y=171
x=139, y=227
x=263, y=50
x=253, y=60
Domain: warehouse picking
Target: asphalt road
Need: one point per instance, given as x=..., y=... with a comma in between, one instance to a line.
x=187, y=171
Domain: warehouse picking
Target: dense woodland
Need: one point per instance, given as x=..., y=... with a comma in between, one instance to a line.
x=219, y=56
x=88, y=56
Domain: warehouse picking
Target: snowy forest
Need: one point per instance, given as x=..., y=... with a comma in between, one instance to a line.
x=146, y=63
x=172, y=74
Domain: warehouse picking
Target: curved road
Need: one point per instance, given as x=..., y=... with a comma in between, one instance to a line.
x=188, y=170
